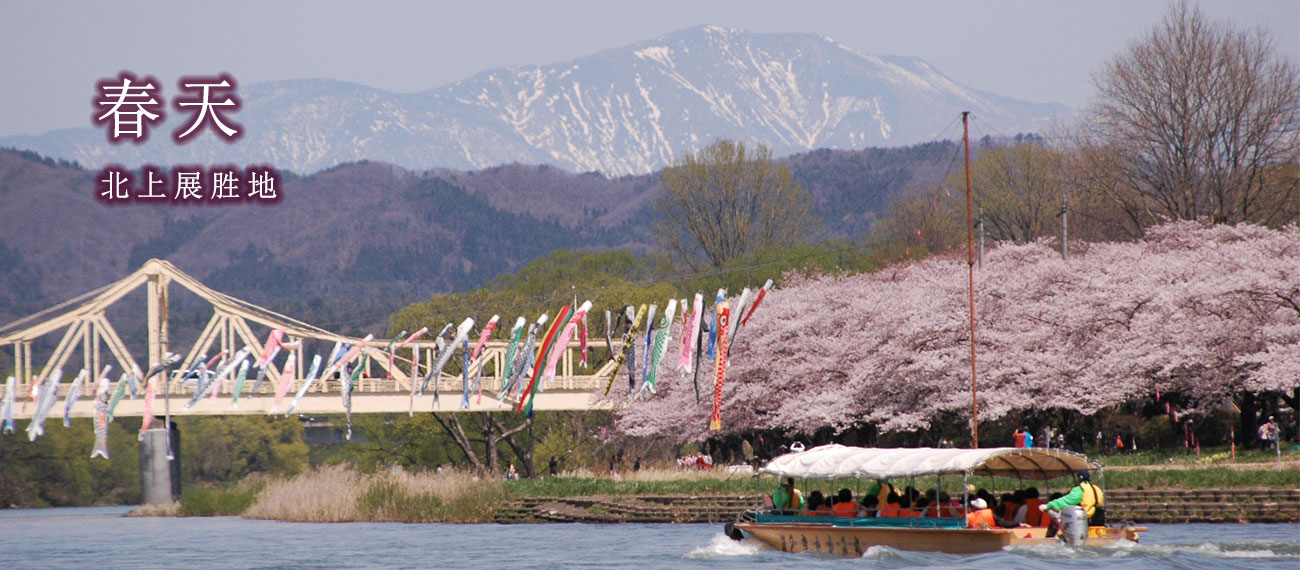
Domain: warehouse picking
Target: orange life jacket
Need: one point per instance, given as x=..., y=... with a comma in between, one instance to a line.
x=1009, y=509
x=891, y=510
x=1033, y=516
x=848, y=509
x=982, y=516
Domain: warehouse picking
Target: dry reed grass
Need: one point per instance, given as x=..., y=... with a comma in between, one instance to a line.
x=328, y=494
x=341, y=494
x=172, y=509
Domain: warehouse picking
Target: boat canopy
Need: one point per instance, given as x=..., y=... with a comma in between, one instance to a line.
x=836, y=461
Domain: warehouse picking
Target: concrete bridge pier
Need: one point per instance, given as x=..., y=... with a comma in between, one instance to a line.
x=160, y=473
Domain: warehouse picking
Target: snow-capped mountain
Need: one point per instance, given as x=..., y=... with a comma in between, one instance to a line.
x=622, y=111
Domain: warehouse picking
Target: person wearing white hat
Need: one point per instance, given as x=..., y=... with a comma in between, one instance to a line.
x=981, y=516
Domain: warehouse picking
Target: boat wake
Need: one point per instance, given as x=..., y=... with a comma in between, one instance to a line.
x=1207, y=549
x=723, y=546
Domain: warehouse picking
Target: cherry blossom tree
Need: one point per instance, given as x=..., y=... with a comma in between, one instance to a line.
x=1194, y=310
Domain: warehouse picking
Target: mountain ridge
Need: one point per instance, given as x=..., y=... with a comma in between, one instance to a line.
x=620, y=111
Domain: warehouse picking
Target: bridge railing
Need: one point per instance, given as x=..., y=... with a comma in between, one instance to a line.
x=570, y=375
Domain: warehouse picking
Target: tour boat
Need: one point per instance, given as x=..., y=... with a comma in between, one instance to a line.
x=852, y=536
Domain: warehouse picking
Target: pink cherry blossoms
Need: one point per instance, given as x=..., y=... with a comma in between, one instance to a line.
x=1202, y=311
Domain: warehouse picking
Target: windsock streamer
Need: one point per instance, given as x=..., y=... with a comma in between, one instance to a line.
x=207, y=380
x=562, y=342
x=415, y=360
x=609, y=333
x=738, y=309
x=582, y=341
x=758, y=299
x=482, y=340
x=391, y=349
x=274, y=342
x=516, y=335
x=435, y=373
x=713, y=328
x=483, y=336
x=73, y=392
x=118, y=393
x=650, y=327
x=347, y=356
x=662, y=338
x=7, y=407
x=561, y=321
x=690, y=334
x=523, y=358
x=101, y=418
x=311, y=378
x=464, y=374
x=146, y=420
x=228, y=369
x=720, y=364
x=345, y=388
x=628, y=340
x=46, y=398
x=286, y=378
x=240, y=378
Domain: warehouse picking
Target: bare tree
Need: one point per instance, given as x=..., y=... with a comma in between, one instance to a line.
x=1019, y=190
x=728, y=200
x=1199, y=119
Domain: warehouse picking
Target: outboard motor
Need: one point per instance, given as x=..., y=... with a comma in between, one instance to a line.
x=732, y=532
x=1074, y=525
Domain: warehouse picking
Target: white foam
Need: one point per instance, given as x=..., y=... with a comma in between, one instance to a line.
x=879, y=552
x=721, y=546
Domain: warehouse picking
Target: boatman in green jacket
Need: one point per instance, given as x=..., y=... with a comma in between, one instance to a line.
x=786, y=497
x=1086, y=495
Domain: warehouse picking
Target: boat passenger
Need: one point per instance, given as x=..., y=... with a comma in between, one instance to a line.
x=921, y=508
x=881, y=489
x=981, y=516
x=952, y=509
x=1086, y=495
x=870, y=506
x=813, y=507
x=905, y=505
x=844, y=505
x=787, y=497
x=825, y=510
x=1008, y=503
x=1029, y=512
x=892, y=507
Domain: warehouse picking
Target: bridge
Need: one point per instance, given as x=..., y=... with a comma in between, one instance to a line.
x=89, y=337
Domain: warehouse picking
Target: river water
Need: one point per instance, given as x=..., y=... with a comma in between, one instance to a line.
x=101, y=537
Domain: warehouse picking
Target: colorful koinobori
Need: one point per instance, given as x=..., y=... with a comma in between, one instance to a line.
x=533, y=353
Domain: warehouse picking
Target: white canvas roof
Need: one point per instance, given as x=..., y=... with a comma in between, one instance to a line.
x=836, y=461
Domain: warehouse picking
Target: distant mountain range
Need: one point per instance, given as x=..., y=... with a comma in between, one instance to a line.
x=352, y=243
x=624, y=111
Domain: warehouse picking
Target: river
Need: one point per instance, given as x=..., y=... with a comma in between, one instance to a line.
x=87, y=537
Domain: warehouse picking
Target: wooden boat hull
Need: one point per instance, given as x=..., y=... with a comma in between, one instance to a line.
x=854, y=541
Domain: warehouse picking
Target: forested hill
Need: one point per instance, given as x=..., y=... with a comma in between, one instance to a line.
x=360, y=234
x=360, y=240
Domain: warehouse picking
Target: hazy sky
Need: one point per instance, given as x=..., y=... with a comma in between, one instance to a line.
x=53, y=52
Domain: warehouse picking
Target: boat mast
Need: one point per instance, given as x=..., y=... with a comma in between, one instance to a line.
x=970, y=263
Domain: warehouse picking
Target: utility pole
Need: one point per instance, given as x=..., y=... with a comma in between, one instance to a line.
x=1065, y=231
x=970, y=264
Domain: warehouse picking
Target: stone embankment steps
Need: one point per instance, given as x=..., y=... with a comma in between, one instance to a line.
x=1166, y=505
x=1204, y=505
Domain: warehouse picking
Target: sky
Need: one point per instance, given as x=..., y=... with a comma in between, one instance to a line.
x=53, y=52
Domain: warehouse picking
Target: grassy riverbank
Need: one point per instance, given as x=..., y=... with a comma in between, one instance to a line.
x=341, y=493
